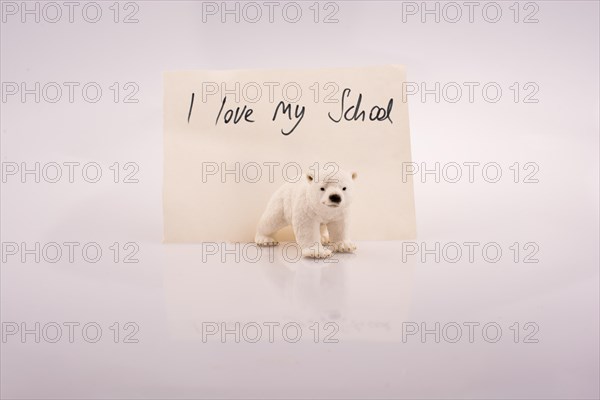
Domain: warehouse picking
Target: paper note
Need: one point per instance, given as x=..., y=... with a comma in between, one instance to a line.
x=231, y=138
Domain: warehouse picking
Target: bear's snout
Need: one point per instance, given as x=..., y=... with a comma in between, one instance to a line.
x=335, y=198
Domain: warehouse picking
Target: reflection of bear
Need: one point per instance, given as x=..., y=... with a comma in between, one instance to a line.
x=317, y=209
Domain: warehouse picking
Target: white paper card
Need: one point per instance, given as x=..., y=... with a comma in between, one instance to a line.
x=231, y=138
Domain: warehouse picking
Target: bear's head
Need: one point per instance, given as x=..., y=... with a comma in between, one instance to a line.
x=330, y=191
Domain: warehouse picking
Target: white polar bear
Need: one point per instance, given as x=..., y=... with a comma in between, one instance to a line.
x=317, y=207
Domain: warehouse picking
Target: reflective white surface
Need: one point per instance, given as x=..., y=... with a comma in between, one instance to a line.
x=371, y=296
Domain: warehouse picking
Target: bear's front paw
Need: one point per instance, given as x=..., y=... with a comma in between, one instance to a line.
x=262, y=240
x=344, y=246
x=316, y=252
x=325, y=238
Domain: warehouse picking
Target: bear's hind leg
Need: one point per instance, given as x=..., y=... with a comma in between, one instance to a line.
x=272, y=220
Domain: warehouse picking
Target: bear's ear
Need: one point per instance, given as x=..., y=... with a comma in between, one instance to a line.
x=309, y=177
x=354, y=176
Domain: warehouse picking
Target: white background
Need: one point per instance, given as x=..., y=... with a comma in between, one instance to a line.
x=171, y=291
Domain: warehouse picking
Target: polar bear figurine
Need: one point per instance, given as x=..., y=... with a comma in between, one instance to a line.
x=317, y=207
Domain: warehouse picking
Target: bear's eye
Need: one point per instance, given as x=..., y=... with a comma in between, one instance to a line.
x=343, y=188
x=322, y=189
